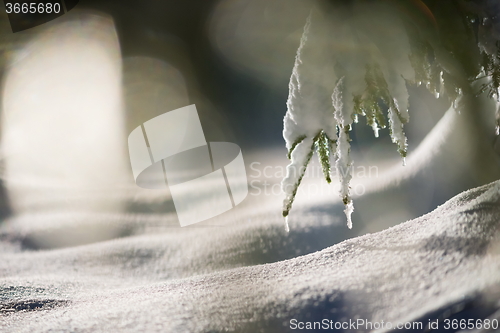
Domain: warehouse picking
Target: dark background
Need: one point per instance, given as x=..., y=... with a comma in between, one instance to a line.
x=232, y=104
x=253, y=111
x=177, y=31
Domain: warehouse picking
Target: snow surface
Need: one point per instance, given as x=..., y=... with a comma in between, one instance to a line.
x=247, y=277
x=137, y=271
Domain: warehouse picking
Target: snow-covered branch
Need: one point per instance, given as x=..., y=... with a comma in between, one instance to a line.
x=356, y=60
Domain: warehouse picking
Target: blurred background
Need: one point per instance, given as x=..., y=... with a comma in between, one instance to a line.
x=241, y=80
x=75, y=87
x=117, y=64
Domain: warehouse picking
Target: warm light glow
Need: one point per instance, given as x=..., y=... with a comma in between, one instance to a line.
x=62, y=121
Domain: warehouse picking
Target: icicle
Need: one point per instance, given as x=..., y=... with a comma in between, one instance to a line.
x=404, y=161
x=497, y=115
x=344, y=170
x=349, y=208
x=337, y=101
x=441, y=84
x=344, y=163
x=397, y=134
x=287, y=227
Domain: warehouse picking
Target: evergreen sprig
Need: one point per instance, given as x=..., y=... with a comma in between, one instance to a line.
x=294, y=145
x=491, y=68
x=288, y=206
x=325, y=147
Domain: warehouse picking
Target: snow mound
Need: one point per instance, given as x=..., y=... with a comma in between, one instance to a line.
x=442, y=265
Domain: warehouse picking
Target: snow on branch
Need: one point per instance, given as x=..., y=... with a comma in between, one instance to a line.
x=357, y=58
x=332, y=83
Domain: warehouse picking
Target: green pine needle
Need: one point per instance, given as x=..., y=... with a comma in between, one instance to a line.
x=323, y=146
x=294, y=145
x=289, y=204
